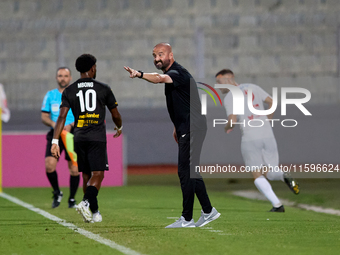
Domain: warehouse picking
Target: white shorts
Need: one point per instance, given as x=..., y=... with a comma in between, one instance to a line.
x=259, y=153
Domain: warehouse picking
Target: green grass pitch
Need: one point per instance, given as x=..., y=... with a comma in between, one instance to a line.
x=135, y=216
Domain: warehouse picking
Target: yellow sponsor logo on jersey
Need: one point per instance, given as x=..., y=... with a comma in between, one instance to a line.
x=80, y=123
x=92, y=121
x=89, y=115
x=86, y=123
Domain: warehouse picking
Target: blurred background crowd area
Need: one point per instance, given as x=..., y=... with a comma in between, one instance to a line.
x=278, y=43
x=272, y=43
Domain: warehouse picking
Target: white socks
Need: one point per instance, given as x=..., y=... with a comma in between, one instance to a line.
x=265, y=188
x=275, y=175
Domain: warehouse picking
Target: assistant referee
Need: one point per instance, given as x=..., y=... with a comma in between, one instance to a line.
x=184, y=107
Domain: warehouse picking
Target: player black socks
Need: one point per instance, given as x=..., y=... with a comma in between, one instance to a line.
x=74, y=183
x=53, y=179
x=91, y=195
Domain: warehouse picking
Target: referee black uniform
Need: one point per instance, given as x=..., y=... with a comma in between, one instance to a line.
x=184, y=107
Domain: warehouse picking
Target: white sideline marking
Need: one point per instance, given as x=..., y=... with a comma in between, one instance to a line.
x=71, y=226
x=206, y=228
x=216, y=231
x=259, y=196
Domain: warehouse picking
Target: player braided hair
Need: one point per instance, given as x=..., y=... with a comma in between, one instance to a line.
x=85, y=62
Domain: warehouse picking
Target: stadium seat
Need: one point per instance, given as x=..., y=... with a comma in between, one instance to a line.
x=289, y=65
x=248, y=20
x=328, y=63
x=248, y=43
x=266, y=82
x=248, y=65
x=268, y=64
x=7, y=9
x=224, y=5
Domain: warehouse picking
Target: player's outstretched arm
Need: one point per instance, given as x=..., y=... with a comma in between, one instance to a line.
x=55, y=150
x=117, y=119
x=150, y=77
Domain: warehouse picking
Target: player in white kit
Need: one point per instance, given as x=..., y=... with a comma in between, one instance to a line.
x=258, y=145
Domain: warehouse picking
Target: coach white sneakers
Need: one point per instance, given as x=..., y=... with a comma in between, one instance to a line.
x=84, y=210
x=182, y=223
x=207, y=217
x=203, y=220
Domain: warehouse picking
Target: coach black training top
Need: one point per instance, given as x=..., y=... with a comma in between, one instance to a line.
x=182, y=99
x=87, y=98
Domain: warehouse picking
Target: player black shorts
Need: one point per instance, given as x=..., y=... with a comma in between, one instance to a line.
x=91, y=156
x=49, y=138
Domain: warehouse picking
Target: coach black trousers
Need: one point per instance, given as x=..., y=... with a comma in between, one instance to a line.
x=189, y=151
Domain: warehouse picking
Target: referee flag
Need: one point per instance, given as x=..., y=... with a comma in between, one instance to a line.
x=67, y=138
